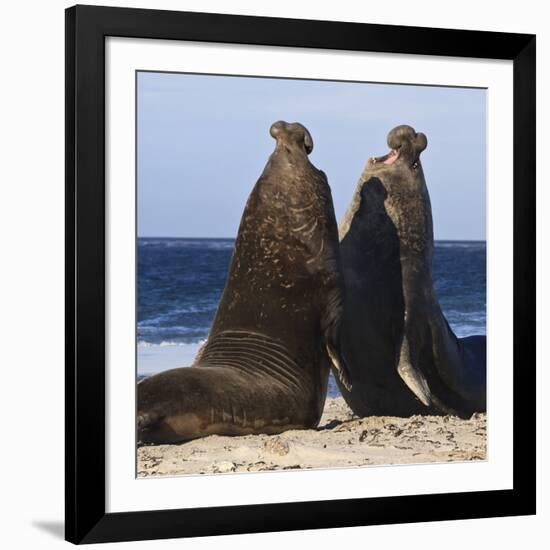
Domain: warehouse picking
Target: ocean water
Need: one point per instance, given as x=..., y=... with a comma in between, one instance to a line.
x=180, y=282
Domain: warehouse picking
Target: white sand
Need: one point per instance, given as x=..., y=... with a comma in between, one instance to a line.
x=340, y=440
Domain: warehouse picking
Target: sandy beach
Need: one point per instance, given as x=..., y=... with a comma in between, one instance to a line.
x=341, y=440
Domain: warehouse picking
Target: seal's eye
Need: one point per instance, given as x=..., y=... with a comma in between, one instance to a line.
x=415, y=165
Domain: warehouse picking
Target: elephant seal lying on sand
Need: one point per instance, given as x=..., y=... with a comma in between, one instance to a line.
x=402, y=354
x=264, y=367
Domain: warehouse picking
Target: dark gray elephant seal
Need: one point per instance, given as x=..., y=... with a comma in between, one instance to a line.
x=401, y=352
x=264, y=367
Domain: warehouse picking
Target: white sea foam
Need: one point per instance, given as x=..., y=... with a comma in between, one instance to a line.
x=477, y=245
x=171, y=329
x=154, y=358
x=176, y=312
x=464, y=330
x=165, y=343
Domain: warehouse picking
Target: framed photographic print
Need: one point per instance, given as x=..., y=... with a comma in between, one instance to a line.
x=300, y=274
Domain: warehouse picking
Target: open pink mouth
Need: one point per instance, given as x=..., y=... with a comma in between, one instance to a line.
x=391, y=157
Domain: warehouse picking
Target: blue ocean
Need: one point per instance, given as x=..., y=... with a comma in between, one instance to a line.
x=180, y=282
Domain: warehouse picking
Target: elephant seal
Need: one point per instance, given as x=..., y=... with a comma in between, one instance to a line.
x=264, y=367
x=401, y=352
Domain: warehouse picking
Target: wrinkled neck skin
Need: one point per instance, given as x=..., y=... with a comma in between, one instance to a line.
x=288, y=158
x=407, y=203
x=274, y=247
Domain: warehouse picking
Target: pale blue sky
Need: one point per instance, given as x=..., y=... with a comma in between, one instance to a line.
x=203, y=141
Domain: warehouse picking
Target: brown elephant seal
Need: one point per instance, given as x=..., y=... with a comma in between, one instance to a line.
x=264, y=367
x=401, y=352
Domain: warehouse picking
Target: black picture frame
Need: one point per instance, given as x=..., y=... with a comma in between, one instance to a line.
x=85, y=516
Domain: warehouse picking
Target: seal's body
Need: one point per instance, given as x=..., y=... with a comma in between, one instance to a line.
x=264, y=367
x=401, y=352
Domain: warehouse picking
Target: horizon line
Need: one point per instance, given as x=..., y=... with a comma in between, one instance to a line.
x=233, y=238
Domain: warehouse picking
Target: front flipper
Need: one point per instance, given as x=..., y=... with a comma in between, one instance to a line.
x=340, y=366
x=412, y=376
x=416, y=383
x=331, y=323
